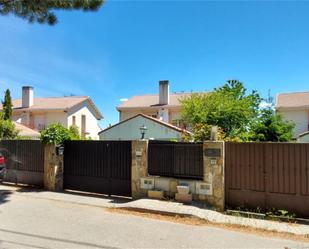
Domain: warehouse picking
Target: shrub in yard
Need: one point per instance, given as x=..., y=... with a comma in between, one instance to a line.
x=57, y=134
x=7, y=129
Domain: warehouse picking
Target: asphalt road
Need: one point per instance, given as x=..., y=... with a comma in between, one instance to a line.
x=29, y=222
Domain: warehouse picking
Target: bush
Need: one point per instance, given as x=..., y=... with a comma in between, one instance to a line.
x=57, y=134
x=7, y=129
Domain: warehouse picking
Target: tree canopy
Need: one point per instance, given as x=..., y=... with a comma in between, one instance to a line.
x=236, y=112
x=41, y=11
x=229, y=107
x=270, y=126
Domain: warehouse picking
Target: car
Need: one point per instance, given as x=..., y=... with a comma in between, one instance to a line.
x=2, y=166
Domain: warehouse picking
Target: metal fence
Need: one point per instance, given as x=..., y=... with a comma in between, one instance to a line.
x=175, y=159
x=24, y=161
x=268, y=175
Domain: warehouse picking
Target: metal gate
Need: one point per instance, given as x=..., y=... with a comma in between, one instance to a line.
x=98, y=166
x=175, y=159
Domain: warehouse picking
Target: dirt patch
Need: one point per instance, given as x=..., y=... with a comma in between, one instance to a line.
x=191, y=220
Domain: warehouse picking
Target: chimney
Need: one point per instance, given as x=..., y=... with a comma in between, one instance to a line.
x=27, y=96
x=164, y=94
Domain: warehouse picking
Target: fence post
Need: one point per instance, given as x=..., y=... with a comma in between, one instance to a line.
x=214, y=157
x=53, y=169
x=139, y=167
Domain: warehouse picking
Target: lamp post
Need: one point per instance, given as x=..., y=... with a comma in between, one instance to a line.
x=143, y=130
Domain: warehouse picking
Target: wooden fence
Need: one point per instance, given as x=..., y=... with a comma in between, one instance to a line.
x=268, y=176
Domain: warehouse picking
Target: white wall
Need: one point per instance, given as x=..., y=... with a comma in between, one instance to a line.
x=129, y=130
x=300, y=118
x=303, y=139
x=54, y=117
x=92, y=126
x=36, y=119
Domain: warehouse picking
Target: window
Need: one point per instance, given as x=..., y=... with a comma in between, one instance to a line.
x=74, y=121
x=83, y=126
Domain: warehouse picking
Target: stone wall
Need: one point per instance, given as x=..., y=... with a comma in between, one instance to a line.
x=210, y=190
x=214, y=172
x=53, y=169
x=139, y=167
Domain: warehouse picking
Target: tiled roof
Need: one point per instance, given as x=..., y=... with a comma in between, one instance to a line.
x=152, y=100
x=26, y=131
x=150, y=118
x=55, y=103
x=292, y=100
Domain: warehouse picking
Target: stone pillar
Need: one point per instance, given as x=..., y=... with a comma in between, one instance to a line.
x=53, y=169
x=139, y=167
x=214, y=173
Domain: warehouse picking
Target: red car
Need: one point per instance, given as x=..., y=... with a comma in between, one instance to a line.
x=2, y=165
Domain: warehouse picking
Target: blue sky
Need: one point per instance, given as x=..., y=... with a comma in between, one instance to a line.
x=126, y=47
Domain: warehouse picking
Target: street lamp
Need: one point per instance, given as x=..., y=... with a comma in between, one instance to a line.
x=143, y=130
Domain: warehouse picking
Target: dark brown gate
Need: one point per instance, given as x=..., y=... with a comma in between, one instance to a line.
x=175, y=159
x=98, y=166
x=268, y=175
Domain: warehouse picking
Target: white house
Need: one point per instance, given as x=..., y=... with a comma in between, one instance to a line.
x=165, y=106
x=38, y=113
x=130, y=129
x=295, y=107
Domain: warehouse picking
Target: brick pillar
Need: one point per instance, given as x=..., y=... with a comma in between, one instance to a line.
x=139, y=167
x=214, y=172
x=53, y=169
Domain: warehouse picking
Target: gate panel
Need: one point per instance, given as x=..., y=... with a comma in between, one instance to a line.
x=183, y=160
x=98, y=166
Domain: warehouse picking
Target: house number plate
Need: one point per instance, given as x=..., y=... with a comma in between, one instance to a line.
x=213, y=152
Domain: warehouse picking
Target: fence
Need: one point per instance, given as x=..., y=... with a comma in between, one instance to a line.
x=183, y=160
x=25, y=161
x=268, y=175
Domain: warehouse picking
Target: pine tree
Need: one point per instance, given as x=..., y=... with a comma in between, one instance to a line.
x=7, y=105
x=42, y=11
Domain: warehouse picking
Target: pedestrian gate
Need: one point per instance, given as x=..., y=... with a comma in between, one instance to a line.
x=98, y=166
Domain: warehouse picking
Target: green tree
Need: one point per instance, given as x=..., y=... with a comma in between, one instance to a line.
x=41, y=11
x=229, y=107
x=74, y=132
x=270, y=126
x=7, y=105
x=57, y=134
x=7, y=129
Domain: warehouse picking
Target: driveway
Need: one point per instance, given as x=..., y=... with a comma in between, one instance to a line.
x=33, y=220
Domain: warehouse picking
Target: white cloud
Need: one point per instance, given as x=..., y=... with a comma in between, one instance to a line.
x=123, y=99
x=265, y=104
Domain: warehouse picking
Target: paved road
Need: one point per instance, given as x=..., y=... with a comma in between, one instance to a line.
x=29, y=222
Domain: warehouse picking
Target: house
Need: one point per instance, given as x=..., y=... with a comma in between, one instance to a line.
x=25, y=131
x=165, y=106
x=295, y=107
x=153, y=128
x=38, y=113
x=303, y=138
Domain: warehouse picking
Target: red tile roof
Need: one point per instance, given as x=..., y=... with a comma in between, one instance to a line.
x=152, y=100
x=55, y=103
x=292, y=100
x=26, y=131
